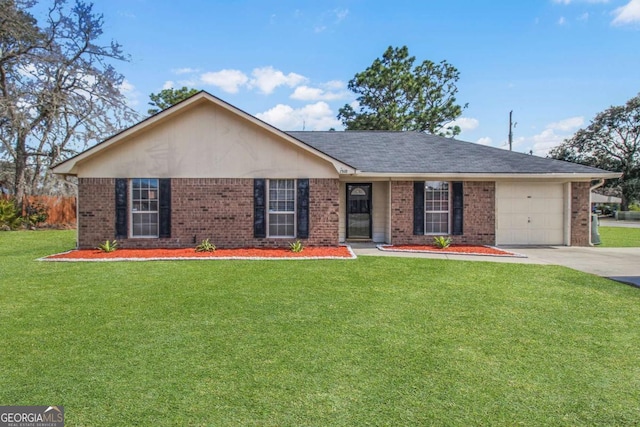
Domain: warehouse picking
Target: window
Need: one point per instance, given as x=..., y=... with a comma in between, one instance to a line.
x=436, y=202
x=282, y=208
x=144, y=207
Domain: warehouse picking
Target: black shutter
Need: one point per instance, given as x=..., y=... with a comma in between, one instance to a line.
x=121, y=208
x=302, y=209
x=259, y=208
x=418, y=207
x=165, y=207
x=458, y=208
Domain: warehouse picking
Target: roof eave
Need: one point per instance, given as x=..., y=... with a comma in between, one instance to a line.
x=492, y=176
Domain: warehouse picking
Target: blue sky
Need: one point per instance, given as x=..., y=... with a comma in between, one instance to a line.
x=555, y=63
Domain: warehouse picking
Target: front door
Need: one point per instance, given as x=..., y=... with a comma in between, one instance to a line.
x=358, y=211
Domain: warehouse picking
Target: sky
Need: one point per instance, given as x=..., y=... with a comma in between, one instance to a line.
x=555, y=63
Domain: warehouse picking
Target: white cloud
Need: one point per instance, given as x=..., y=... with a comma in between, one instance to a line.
x=545, y=141
x=228, y=80
x=318, y=116
x=627, y=14
x=266, y=79
x=130, y=93
x=580, y=1
x=334, y=85
x=465, y=123
x=485, y=140
x=341, y=14
x=169, y=84
x=553, y=135
x=189, y=83
x=566, y=125
x=126, y=87
x=584, y=17
x=330, y=18
x=561, y=21
x=306, y=93
x=185, y=70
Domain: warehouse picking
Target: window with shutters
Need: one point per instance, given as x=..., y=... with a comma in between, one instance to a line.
x=144, y=207
x=437, y=207
x=281, y=202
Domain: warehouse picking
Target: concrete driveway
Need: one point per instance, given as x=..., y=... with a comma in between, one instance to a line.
x=621, y=264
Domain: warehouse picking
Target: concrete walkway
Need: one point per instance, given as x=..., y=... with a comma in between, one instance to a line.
x=621, y=264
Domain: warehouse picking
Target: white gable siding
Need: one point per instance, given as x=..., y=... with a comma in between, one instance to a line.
x=205, y=141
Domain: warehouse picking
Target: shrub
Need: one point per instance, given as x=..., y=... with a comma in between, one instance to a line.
x=9, y=217
x=634, y=206
x=296, y=246
x=108, y=246
x=442, y=242
x=35, y=214
x=205, y=246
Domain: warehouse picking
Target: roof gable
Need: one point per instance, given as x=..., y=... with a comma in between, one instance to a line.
x=72, y=166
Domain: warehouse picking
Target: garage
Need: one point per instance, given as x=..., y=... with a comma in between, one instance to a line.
x=530, y=213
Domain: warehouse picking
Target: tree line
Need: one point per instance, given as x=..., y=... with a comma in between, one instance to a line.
x=60, y=93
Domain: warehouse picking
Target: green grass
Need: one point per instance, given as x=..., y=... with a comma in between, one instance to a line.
x=619, y=237
x=374, y=341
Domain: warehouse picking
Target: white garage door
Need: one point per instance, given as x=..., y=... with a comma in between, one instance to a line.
x=529, y=213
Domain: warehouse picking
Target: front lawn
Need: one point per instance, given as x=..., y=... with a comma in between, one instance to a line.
x=372, y=341
x=619, y=237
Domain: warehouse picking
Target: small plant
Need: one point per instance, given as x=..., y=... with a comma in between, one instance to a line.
x=296, y=246
x=442, y=242
x=9, y=217
x=108, y=246
x=205, y=246
x=35, y=214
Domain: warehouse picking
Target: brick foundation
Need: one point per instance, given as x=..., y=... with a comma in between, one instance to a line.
x=479, y=214
x=218, y=209
x=580, y=214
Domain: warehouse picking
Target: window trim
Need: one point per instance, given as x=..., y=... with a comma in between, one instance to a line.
x=269, y=211
x=448, y=211
x=132, y=213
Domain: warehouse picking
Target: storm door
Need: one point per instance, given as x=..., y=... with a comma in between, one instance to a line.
x=358, y=211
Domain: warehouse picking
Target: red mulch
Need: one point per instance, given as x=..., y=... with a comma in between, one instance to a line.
x=308, y=252
x=453, y=249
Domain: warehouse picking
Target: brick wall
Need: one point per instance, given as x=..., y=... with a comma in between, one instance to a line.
x=96, y=211
x=218, y=209
x=324, y=208
x=580, y=214
x=479, y=214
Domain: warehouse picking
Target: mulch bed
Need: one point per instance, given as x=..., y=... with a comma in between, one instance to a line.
x=451, y=250
x=338, y=252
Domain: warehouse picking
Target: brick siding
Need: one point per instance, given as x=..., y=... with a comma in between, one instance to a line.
x=478, y=214
x=580, y=214
x=218, y=209
x=96, y=211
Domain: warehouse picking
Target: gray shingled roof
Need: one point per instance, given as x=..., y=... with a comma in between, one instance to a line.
x=414, y=152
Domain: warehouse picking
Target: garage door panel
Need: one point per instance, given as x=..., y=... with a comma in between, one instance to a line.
x=530, y=213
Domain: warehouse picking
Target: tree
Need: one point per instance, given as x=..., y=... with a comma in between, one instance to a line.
x=58, y=89
x=168, y=97
x=611, y=142
x=395, y=95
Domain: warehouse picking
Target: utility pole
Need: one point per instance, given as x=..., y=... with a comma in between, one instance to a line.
x=510, y=131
